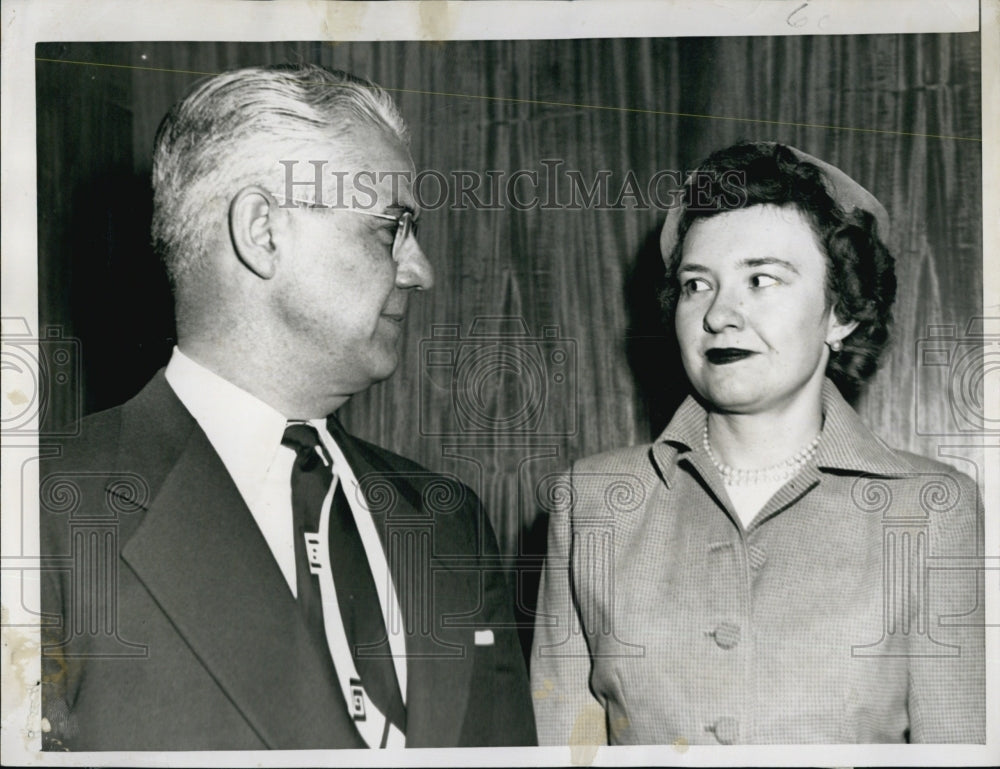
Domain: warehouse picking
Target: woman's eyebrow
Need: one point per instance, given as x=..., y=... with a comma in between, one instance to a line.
x=768, y=261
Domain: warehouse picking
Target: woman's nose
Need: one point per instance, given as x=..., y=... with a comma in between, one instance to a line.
x=724, y=312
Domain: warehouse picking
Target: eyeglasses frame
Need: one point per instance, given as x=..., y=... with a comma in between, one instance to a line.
x=406, y=224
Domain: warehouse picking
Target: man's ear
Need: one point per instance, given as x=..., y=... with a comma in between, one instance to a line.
x=253, y=215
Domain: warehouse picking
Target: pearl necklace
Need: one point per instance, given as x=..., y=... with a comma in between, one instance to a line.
x=733, y=476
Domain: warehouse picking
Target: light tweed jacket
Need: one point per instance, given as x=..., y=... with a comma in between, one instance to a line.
x=850, y=611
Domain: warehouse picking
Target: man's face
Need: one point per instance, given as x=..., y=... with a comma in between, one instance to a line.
x=342, y=295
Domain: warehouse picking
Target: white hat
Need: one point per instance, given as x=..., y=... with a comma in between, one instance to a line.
x=841, y=187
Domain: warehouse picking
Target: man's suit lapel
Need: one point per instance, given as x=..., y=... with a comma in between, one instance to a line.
x=202, y=557
x=439, y=658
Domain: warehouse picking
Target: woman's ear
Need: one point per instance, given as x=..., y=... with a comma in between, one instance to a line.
x=838, y=331
x=253, y=214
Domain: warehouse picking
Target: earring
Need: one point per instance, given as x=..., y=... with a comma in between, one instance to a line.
x=836, y=345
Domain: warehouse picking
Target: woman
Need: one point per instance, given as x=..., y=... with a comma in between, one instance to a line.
x=756, y=575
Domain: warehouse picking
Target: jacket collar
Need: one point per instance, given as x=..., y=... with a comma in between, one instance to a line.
x=202, y=558
x=846, y=445
x=244, y=431
x=196, y=524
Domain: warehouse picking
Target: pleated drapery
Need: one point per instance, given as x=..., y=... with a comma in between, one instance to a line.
x=597, y=369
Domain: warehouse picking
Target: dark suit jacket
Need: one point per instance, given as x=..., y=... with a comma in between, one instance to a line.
x=170, y=626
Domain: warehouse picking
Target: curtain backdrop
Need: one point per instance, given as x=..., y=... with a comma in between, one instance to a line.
x=593, y=368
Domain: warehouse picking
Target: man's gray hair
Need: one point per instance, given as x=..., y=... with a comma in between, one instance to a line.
x=229, y=131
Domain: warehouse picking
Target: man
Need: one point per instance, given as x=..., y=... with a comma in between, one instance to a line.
x=234, y=570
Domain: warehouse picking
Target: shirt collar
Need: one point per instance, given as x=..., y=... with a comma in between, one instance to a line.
x=245, y=432
x=846, y=444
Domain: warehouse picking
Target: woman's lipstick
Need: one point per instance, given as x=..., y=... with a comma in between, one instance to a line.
x=722, y=355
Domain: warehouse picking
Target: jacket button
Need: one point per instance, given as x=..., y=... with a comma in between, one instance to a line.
x=726, y=730
x=757, y=557
x=726, y=635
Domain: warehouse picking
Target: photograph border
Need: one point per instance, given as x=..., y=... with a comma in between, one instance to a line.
x=26, y=22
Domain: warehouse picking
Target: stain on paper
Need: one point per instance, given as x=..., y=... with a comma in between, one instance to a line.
x=21, y=695
x=587, y=735
x=342, y=21
x=545, y=691
x=436, y=20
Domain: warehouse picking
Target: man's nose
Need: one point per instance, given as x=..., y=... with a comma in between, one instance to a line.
x=413, y=270
x=725, y=311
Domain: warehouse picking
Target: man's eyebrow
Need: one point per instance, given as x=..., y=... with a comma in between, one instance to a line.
x=399, y=209
x=692, y=268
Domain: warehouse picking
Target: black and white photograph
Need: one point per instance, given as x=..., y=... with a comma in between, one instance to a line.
x=501, y=383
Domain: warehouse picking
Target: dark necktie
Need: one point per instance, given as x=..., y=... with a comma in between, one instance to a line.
x=357, y=595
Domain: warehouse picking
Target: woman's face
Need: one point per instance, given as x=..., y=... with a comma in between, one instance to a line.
x=752, y=317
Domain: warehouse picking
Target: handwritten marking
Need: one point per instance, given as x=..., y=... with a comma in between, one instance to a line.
x=798, y=23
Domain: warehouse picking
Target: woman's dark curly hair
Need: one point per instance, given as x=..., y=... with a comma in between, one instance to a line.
x=861, y=279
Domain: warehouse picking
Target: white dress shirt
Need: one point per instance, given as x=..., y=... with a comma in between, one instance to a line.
x=246, y=433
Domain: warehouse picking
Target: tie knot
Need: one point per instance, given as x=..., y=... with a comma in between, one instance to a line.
x=304, y=441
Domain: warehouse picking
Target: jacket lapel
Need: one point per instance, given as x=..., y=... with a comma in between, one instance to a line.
x=439, y=656
x=200, y=554
x=440, y=662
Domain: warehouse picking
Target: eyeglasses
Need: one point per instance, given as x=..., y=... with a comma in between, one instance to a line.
x=406, y=225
